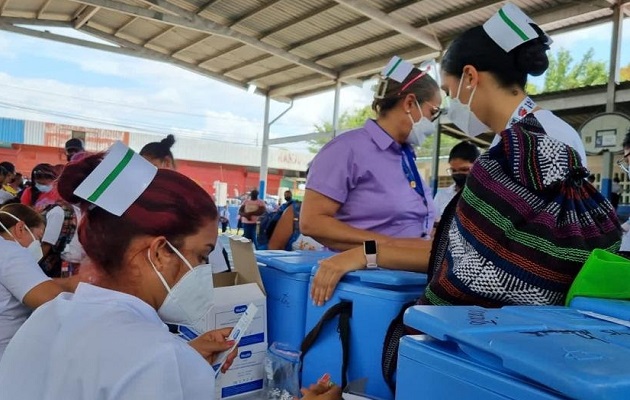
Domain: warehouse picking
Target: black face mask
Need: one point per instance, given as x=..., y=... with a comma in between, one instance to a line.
x=460, y=180
x=287, y=199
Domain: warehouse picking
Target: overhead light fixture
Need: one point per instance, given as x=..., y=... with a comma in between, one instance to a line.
x=251, y=88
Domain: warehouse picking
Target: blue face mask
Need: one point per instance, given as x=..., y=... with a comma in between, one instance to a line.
x=43, y=188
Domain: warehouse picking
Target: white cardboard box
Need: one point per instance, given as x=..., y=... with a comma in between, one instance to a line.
x=245, y=376
x=233, y=291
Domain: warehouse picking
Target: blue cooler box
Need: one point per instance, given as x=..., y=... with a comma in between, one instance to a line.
x=377, y=297
x=531, y=353
x=613, y=308
x=285, y=275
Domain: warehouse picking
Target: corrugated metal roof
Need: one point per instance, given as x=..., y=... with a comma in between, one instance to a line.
x=258, y=40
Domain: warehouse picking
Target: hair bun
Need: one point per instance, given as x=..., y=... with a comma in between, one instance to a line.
x=73, y=175
x=168, y=141
x=531, y=57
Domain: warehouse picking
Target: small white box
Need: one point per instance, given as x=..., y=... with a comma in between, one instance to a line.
x=245, y=376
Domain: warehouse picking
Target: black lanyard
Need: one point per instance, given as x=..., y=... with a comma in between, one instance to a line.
x=413, y=176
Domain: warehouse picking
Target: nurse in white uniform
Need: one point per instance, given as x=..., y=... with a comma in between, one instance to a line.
x=23, y=284
x=148, y=233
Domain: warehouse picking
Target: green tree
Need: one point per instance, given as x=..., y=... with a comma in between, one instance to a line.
x=348, y=120
x=563, y=74
x=624, y=73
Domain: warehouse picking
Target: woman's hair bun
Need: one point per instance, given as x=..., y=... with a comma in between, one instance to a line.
x=531, y=57
x=74, y=174
x=168, y=141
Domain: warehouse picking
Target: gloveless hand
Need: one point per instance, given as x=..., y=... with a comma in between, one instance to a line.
x=331, y=270
x=211, y=343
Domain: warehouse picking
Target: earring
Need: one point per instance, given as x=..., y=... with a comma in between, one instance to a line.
x=469, y=87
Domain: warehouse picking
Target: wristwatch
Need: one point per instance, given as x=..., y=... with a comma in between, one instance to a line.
x=369, y=249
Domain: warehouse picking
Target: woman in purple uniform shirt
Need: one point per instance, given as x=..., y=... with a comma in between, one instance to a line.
x=364, y=184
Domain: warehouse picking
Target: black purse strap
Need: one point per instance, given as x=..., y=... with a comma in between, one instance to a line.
x=389, y=358
x=342, y=309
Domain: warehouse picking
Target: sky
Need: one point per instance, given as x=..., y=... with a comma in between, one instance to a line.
x=49, y=81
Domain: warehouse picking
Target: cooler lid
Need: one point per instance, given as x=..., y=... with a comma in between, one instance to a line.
x=385, y=278
x=298, y=262
x=613, y=308
x=557, y=347
x=267, y=257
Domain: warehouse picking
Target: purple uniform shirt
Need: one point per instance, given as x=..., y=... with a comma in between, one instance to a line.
x=362, y=170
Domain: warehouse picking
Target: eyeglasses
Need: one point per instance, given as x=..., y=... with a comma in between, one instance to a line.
x=435, y=112
x=452, y=171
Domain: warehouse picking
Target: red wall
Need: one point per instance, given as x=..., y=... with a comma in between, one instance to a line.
x=25, y=157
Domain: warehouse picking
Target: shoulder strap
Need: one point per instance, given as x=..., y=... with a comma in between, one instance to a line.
x=389, y=360
x=344, y=310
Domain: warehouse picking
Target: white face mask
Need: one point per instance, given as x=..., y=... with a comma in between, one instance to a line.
x=43, y=188
x=462, y=116
x=35, y=247
x=189, y=300
x=420, y=130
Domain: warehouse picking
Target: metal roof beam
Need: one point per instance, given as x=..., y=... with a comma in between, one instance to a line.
x=253, y=12
x=34, y=22
x=229, y=49
x=143, y=52
x=43, y=8
x=191, y=45
x=412, y=54
x=159, y=35
x=378, y=16
x=85, y=16
x=459, y=12
x=3, y=5
x=190, y=20
x=275, y=30
x=565, y=13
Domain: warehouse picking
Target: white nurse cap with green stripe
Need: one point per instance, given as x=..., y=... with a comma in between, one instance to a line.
x=510, y=27
x=118, y=180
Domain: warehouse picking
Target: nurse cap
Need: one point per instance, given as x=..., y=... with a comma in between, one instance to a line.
x=510, y=27
x=398, y=70
x=118, y=180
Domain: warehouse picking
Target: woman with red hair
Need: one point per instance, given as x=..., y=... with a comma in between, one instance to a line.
x=148, y=232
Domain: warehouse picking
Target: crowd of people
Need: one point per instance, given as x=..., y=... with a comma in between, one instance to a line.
x=105, y=271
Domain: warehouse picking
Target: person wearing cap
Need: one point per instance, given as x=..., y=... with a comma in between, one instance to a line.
x=74, y=146
x=147, y=232
x=364, y=184
x=485, y=77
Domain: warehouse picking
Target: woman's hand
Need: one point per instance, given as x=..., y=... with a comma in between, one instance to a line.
x=331, y=270
x=211, y=343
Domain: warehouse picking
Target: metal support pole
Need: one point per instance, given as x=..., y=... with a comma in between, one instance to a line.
x=615, y=53
x=264, y=159
x=335, y=122
x=435, y=162
x=613, y=80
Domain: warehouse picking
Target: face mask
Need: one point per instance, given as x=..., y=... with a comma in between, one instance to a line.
x=462, y=116
x=189, y=300
x=287, y=198
x=43, y=188
x=420, y=130
x=459, y=179
x=35, y=247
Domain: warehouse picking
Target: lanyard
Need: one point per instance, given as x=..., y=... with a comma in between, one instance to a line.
x=413, y=176
x=527, y=106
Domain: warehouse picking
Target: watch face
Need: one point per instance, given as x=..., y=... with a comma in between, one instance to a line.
x=370, y=247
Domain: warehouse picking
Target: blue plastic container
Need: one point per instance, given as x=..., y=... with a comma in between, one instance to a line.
x=614, y=308
x=531, y=353
x=377, y=297
x=285, y=277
